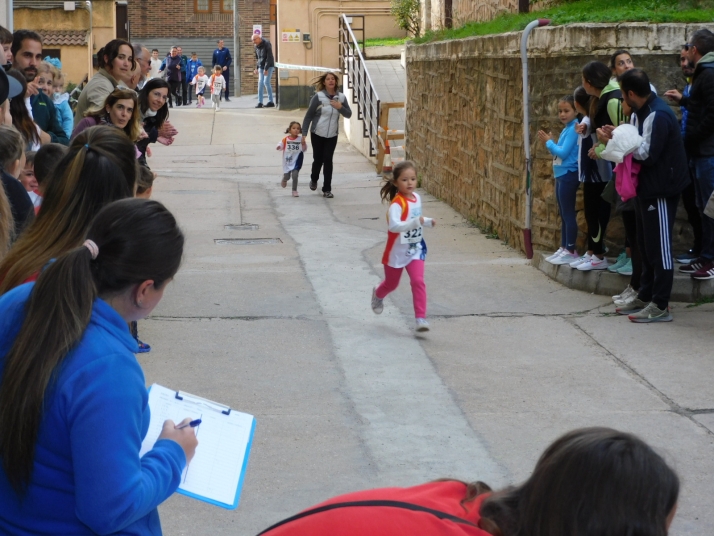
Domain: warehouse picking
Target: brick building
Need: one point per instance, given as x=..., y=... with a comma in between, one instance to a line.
x=196, y=25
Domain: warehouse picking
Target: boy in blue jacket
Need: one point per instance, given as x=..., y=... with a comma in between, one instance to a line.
x=192, y=66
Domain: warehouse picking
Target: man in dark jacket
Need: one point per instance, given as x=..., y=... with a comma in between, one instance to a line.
x=184, y=82
x=222, y=57
x=699, y=141
x=662, y=178
x=173, y=70
x=27, y=54
x=265, y=65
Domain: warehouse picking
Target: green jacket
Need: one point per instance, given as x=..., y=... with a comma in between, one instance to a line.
x=44, y=114
x=94, y=94
x=614, y=110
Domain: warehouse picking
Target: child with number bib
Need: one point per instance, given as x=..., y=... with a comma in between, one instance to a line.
x=293, y=146
x=405, y=243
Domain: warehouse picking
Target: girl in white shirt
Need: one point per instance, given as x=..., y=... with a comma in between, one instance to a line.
x=405, y=243
x=200, y=81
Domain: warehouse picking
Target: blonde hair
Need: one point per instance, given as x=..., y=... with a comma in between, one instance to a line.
x=319, y=82
x=46, y=67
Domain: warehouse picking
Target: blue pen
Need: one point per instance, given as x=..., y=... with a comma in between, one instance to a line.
x=192, y=424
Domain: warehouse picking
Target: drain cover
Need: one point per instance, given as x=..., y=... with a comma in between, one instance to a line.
x=247, y=241
x=241, y=227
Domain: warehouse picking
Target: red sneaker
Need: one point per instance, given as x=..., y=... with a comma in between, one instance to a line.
x=705, y=272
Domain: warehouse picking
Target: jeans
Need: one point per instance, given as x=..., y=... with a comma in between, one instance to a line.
x=415, y=269
x=566, y=188
x=264, y=80
x=704, y=186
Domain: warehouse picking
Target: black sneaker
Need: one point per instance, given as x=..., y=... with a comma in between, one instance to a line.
x=271, y=104
x=687, y=258
x=228, y=100
x=697, y=264
x=259, y=105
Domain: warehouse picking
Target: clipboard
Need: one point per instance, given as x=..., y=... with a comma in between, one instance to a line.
x=225, y=436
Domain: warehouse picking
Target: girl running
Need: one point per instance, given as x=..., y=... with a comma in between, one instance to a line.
x=293, y=146
x=405, y=243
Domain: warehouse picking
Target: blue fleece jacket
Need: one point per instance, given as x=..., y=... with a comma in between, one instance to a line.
x=87, y=476
x=565, y=152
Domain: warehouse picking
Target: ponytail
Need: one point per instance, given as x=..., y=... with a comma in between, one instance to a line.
x=389, y=188
x=138, y=240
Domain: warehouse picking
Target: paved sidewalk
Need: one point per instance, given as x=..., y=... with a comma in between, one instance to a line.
x=345, y=399
x=390, y=81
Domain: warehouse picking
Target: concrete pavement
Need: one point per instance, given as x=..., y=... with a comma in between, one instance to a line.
x=346, y=400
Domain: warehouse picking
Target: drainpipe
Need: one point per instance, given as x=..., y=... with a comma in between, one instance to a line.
x=526, y=133
x=88, y=6
x=9, y=20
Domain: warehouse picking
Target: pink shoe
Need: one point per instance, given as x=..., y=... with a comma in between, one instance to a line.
x=295, y=194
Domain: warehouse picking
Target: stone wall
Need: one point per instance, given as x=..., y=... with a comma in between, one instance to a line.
x=463, y=11
x=464, y=117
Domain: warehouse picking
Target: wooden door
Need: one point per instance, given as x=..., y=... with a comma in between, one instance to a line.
x=122, y=21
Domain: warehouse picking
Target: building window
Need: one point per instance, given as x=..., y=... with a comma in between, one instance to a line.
x=226, y=6
x=52, y=53
x=201, y=6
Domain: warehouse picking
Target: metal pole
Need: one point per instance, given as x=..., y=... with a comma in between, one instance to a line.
x=236, y=51
x=10, y=21
x=526, y=133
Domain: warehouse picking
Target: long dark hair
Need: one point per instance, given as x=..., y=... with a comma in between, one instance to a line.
x=581, y=97
x=162, y=113
x=389, y=188
x=598, y=75
x=21, y=119
x=133, y=127
x=589, y=481
x=138, y=240
x=100, y=167
x=111, y=51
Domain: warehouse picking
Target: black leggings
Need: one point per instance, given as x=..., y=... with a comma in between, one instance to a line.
x=693, y=215
x=322, y=151
x=597, y=215
x=175, y=91
x=629, y=220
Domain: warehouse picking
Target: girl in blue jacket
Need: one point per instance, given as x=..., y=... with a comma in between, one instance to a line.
x=565, y=169
x=73, y=402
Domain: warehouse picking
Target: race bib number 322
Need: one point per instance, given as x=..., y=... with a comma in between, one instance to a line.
x=412, y=237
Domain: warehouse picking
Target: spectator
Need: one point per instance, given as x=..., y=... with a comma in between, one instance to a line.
x=116, y=61
x=699, y=142
x=73, y=395
x=21, y=118
x=6, y=42
x=172, y=66
x=60, y=98
x=29, y=181
x=222, y=57
x=689, y=196
x=155, y=63
x=184, y=80
x=100, y=167
x=27, y=55
x=142, y=58
x=144, y=187
x=12, y=161
x=155, y=113
x=191, y=71
x=46, y=161
x=265, y=65
x=662, y=178
x=592, y=477
x=121, y=110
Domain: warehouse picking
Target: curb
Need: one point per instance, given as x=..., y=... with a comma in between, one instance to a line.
x=684, y=288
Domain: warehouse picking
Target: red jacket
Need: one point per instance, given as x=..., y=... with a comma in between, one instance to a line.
x=392, y=521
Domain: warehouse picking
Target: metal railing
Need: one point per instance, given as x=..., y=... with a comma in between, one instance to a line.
x=364, y=95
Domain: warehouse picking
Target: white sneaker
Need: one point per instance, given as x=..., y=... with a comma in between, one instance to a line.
x=593, y=264
x=422, y=324
x=580, y=260
x=554, y=255
x=628, y=290
x=565, y=258
x=377, y=304
x=628, y=296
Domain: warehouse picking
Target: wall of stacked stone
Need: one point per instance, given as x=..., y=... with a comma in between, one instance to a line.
x=465, y=128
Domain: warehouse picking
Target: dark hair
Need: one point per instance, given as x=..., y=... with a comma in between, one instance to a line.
x=589, y=481
x=133, y=127
x=163, y=113
x=614, y=56
x=703, y=40
x=21, y=119
x=154, y=50
x=569, y=99
x=12, y=145
x=5, y=36
x=287, y=130
x=138, y=240
x=19, y=36
x=581, y=97
x=635, y=80
x=111, y=51
x=100, y=167
x=46, y=160
x=389, y=188
x=145, y=180
x=598, y=75
x=30, y=157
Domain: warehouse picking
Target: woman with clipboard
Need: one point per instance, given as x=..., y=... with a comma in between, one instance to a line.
x=73, y=401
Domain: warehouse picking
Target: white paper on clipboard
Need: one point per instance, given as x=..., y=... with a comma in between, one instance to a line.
x=215, y=474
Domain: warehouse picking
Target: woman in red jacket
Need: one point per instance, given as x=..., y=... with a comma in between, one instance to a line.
x=590, y=482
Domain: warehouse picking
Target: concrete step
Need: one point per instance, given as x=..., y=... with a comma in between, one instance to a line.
x=684, y=289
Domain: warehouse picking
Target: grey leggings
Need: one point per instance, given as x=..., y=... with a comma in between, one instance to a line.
x=294, y=174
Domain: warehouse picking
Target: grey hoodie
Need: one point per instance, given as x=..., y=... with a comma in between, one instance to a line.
x=325, y=119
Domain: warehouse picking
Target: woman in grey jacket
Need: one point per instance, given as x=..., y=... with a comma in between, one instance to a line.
x=322, y=120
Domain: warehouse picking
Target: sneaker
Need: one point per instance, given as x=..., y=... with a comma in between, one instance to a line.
x=651, y=313
x=627, y=299
x=626, y=268
x=705, y=272
x=422, y=324
x=228, y=100
x=295, y=194
x=313, y=185
x=580, y=260
x=143, y=347
x=687, y=258
x=635, y=306
x=695, y=265
x=260, y=105
x=593, y=264
x=554, y=255
x=218, y=108
x=271, y=104
x=628, y=290
x=565, y=258
x=378, y=303
x=327, y=195
x=619, y=263
x=284, y=183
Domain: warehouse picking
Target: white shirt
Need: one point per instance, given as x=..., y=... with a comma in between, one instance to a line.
x=405, y=242
x=155, y=65
x=200, y=82
x=291, y=151
x=218, y=84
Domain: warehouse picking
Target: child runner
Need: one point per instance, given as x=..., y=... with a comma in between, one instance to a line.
x=565, y=168
x=405, y=243
x=293, y=146
x=200, y=81
x=217, y=85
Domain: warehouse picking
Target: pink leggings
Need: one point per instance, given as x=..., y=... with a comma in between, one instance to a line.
x=415, y=269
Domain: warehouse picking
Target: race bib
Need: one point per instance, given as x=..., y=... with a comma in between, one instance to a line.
x=412, y=237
